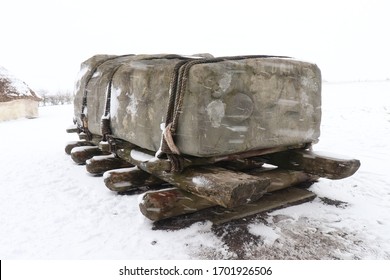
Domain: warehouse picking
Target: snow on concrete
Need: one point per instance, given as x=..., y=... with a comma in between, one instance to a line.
x=50, y=208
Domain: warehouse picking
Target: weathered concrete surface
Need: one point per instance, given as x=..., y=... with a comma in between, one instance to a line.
x=229, y=106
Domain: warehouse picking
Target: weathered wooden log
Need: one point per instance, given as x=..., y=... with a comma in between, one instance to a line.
x=270, y=201
x=81, y=154
x=219, y=215
x=167, y=203
x=127, y=179
x=73, y=144
x=222, y=186
x=162, y=204
x=314, y=163
x=281, y=179
x=293, y=159
x=100, y=164
x=150, y=163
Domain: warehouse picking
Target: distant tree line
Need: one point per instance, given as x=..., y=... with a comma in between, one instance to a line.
x=56, y=98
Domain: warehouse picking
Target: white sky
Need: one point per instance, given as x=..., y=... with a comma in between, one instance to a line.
x=43, y=42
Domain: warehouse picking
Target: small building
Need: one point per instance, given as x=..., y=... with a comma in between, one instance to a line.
x=17, y=100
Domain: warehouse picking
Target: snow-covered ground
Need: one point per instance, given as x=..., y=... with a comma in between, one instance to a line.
x=50, y=208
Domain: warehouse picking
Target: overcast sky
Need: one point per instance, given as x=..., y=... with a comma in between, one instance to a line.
x=43, y=42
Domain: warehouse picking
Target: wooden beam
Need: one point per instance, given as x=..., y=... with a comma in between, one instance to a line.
x=217, y=214
x=102, y=163
x=127, y=179
x=167, y=203
x=281, y=179
x=148, y=161
x=222, y=186
x=81, y=154
x=314, y=163
x=271, y=201
x=171, y=202
x=72, y=144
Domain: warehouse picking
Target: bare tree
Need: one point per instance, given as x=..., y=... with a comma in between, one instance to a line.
x=58, y=98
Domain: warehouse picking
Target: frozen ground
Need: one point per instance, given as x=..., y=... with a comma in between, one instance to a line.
x=50, y=208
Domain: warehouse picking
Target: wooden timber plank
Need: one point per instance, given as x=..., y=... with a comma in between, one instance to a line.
x=270, y=201
x=148, y=161
x=224, y=187
x=281, y=179
x=167, y=203
x=219, y=215
x=72, y=144
x=81, y=154
x=314, y=163
x=102, y=163
x=171, y=202
x=128, y=179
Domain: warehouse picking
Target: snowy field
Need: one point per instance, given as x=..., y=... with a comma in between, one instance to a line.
x=50, y=208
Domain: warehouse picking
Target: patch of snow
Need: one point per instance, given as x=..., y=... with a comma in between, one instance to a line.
x=82, y=148
x=106, y=117
x=201, y=181
x=216, y=111
x=224, y=82
x=332, y=155
x=102, y=157
x=152, y=209
x=120, y=170
x=114, y=103
x=96, y=74
x=238, y=128
x=140, y=156
x=121, y=184
x=268, y=234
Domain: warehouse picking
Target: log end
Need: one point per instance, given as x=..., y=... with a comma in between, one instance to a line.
x=81, y=154
x=70, y=145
